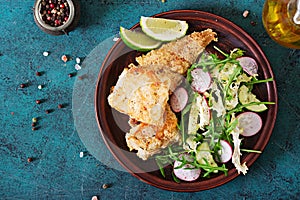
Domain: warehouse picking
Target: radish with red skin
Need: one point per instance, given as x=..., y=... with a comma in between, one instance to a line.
x=225, y=153
x=248, y=64
x=201, y=80
x=187, y=172
x=250, y=123
x=179, y=99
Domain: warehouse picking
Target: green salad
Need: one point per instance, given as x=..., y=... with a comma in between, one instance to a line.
x=216, y=109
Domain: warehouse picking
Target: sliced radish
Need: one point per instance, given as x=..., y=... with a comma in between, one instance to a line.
x=250, y=122
x=225, y=153
x=179, y=99
x=201, y=80
x=248, y=64
x=186, y=172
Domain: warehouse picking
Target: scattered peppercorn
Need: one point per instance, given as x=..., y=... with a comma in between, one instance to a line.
x=47, y=111
x=38, y=73
x=22, y=85
x=60, y=106
x=34, y=128
x=253, y=23
x=33, y=124
x=105, y=186
x=70, y=75
x=29, y=159
x=38, y=101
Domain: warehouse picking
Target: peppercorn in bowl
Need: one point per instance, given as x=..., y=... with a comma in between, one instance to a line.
x=56, y=17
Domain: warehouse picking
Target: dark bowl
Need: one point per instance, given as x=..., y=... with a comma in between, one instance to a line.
x=230, y=36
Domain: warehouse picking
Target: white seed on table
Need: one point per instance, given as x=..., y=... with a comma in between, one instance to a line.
x=81, y=154
x=77, y=67
x=246, y=13
x=45, y=53
x=94, y=198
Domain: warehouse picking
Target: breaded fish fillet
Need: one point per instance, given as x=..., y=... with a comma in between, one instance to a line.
x=180, y=54
x=140, y=94
x=149, y=140
x=165, y=75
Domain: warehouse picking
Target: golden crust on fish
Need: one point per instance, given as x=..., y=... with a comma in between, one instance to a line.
x=140, y=94
x=165, y=75
x=149, y=140
x=165, y=58
x=147, y=103
x=180, y=54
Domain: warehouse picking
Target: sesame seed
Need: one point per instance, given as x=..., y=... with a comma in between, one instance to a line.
x=105, y=186
x=45, y=53
x=81, y=154
x=246, y=13
x=94, y=198
x=40, y=87
x=77, y=67
x=77, y=60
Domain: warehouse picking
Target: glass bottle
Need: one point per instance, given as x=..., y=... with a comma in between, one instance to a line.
x=281, y=19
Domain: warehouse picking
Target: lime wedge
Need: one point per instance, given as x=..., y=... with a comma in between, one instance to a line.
x=163, y=29
x=246, y=97
x=138, y=40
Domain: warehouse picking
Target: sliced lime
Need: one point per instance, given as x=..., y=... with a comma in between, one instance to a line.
x=246, y=97
x=163, y=29
x=138, y=40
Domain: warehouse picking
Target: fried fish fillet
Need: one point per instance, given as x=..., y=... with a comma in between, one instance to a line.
x=140, y=94
x=165, y=75
x=180, y=54
x=149, y=140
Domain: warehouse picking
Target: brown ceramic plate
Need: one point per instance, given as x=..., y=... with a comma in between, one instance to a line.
x=113, y=125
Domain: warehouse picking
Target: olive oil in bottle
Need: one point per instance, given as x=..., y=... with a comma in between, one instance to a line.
x=281, y=19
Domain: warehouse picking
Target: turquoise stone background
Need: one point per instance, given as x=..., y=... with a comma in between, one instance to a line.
x=57, y=171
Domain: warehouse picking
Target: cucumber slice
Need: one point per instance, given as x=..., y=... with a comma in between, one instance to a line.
x=246, y=97
x=204, y=156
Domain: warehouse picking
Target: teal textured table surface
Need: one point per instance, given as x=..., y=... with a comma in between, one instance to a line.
x=57, y=171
